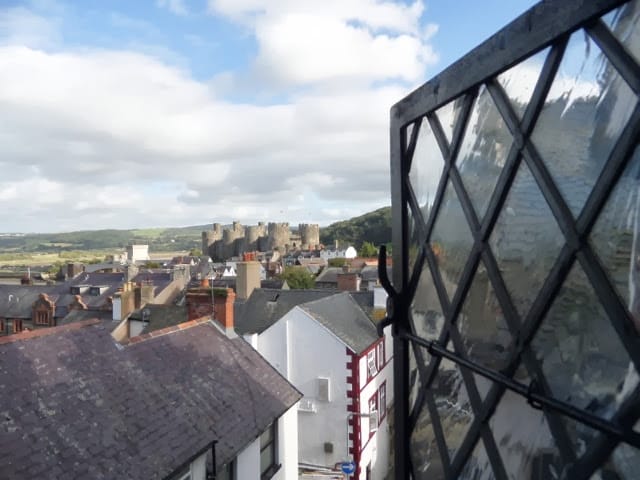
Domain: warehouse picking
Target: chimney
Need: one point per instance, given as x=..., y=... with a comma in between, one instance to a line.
x=223, y=308
x=74, y=269
x=248, y=278
x=348, y=282
x=130, y=271
x=205, y=302
x=124, y=301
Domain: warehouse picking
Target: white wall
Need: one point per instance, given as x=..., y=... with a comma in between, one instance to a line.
x=199, y=467
x=135, y=327
x=248, y=461
x=288, y=445
x=302, y=350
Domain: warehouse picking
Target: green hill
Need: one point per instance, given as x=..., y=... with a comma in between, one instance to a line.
x=158, y=239
x=374, y=227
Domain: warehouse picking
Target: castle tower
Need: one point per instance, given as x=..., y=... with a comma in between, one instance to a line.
x=252, y=237
x=233, y=240
x=278, y=236
x=309, y=235
x=210, y=238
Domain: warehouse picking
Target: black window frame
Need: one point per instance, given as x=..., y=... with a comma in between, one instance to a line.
x=268, y=471
x=547, y=25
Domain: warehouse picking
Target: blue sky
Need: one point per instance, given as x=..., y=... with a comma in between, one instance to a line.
x=120, y=114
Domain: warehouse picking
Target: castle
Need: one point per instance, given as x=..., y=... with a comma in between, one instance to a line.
x=222, y=243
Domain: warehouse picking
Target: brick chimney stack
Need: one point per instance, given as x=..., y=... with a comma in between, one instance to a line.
x=248, y=278
x=205, y=302
x=349, y=281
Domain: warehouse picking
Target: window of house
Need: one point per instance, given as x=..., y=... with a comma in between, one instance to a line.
x=371, y=364
x=268, y=453
x=227, y=472
x=2, y=326
x=382, y=400
x=380, y=354
x=373, y=414
x=42, y=318
x=17, y=326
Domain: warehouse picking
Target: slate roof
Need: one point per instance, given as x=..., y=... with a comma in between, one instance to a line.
x=16, y=300
x=230, y=282
x=160, y=280
x=266, y=306
x=161, y=316
x=342, y=315
x=75, y=404
x=79, y=315
x=329, y=275
x=369, y=273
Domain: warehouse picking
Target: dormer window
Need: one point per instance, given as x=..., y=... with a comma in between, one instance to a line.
x=42, y=318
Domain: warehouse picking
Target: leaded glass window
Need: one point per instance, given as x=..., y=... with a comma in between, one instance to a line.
x=516, y=204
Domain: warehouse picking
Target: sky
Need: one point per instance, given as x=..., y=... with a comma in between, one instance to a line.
x=158, y=113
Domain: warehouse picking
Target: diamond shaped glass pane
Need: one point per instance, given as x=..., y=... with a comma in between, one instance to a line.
x=451, y=239
x=529, y=450
x=525, y=240
x=483, y=152
x=624, y=23
x=616, y=236
x=426, y=168
x=581, y=435
x=582, y=357
x=520, y=81
x=427, y=464
x=587, y=107
x=426, y=311
x=623, y=464
x=449, y=115
x=482, y=326
x=453, y=404
x=478, y=466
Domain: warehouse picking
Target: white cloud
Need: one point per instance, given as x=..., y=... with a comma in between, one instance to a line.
x=305, y=42
x=117, y=138
x=175, y=6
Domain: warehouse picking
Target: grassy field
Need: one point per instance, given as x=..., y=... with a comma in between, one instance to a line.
x=20, y=259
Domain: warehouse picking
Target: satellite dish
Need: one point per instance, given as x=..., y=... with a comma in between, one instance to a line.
x=146, y=314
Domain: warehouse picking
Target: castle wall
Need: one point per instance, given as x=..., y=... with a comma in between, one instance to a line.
x=222, y=243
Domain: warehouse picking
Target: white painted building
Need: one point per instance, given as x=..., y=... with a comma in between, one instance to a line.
x=349, y=252
x=138, y=253
x=330, y=351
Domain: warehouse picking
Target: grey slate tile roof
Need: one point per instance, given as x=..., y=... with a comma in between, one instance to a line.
x=230, y=282
x=342, y=315
x=16, y=300
x=79, y=315
x=329, y=275
x=266, y=306
x=74, y=404
x=161, y=316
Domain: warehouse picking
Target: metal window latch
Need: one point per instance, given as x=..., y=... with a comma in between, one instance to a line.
x=392, y=295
